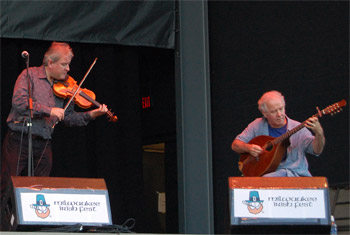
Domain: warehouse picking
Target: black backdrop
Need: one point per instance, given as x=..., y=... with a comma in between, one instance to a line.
x=299, y=48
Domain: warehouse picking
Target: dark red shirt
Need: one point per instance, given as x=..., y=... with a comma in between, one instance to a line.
x=43, y=100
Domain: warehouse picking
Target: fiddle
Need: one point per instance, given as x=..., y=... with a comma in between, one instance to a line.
x=83, y=97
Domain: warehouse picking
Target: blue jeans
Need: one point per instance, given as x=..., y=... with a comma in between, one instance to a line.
x=281, y=173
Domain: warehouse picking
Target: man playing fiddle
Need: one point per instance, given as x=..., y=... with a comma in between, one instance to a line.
x=47, y=109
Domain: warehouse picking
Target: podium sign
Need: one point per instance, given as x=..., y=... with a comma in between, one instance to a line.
x=279, y=203
x=59, y=201
x=279, y=200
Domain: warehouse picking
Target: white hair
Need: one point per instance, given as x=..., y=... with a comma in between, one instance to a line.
x=267, y=96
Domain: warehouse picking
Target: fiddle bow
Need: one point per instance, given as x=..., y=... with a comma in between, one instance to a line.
x=69, y=88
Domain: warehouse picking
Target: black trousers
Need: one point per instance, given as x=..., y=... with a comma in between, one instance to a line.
x=14, y=157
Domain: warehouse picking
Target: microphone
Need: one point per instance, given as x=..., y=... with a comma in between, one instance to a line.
x=25, y=54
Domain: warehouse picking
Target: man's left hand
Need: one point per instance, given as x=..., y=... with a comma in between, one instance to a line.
x=99, y=111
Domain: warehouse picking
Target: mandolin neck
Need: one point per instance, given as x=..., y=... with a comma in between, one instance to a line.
x=291, y=132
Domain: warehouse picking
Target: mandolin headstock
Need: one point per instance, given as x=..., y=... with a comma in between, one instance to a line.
x=334, y=108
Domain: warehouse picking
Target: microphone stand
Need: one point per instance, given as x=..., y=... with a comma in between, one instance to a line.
x=29, y=122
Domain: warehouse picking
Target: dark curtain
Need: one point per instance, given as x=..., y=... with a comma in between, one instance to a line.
x=134, y=23
x=298, y=48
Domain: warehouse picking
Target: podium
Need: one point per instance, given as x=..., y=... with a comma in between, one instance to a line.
x=33, y=203
x=279, y=205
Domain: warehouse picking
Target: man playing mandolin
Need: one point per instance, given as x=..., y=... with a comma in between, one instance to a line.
x=261, y=156
x=47, y=109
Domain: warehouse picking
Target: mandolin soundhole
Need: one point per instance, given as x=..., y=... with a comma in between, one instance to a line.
x=269, y=146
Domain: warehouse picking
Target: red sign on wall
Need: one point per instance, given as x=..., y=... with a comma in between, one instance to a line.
x=146, y=102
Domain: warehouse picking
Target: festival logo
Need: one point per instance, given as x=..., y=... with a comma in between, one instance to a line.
x=254, y=204
x=41, y=208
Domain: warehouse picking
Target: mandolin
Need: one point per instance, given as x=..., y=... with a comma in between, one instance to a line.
x=275, y=148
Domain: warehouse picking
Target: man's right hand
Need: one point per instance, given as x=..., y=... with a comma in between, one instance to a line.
x=241, y=147
x=58, y=113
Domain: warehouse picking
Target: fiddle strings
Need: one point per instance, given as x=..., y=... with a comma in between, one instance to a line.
x=81, y=83
x=76, y=91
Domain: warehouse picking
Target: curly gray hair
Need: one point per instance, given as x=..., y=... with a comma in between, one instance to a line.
x=54, y=53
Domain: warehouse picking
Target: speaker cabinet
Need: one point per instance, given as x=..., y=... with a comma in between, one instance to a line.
x=32, y=203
